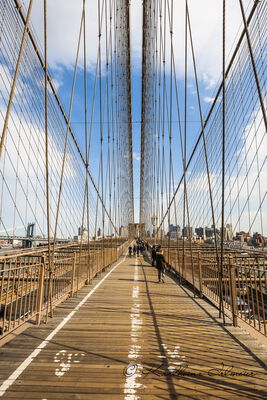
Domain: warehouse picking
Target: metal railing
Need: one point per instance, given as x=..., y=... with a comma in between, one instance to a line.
x=243, y=283
x=29, y=287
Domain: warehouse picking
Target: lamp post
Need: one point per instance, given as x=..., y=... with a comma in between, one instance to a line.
x=154, y=220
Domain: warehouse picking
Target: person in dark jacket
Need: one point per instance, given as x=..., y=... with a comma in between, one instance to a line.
x=153, y=255
x=160, y=264
x=130, y=251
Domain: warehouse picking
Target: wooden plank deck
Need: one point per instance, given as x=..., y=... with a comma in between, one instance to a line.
x=133, y=339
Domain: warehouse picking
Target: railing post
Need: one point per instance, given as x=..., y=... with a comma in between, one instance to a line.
x=73, y=274
x=40, y=291
x=185, y=266
x=200, y=276
x=178, y=263
x=233, y=290
x=88, y=279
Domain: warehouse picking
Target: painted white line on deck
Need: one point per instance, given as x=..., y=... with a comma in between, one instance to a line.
x=131, y=385
x=14, y=376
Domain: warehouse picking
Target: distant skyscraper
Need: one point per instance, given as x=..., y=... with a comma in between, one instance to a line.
x=228, y=232
x=200, y=232
x=187, y=231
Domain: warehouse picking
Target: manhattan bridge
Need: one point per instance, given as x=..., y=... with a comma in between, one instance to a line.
x=82, y=314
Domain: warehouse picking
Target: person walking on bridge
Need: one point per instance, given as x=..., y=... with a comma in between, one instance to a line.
x=160, y=264
x=153, y=255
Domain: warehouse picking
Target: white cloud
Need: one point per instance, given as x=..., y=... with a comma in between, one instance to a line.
x=57, y=83
x=136, y=18
x=6, y=80
x=22, y=174
x=208, y=99
x=241, y=193
x=136, y=156
x=210, y=82
x=206, y=22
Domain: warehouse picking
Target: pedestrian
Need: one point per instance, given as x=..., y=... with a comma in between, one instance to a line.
x=130, y=251
x=134, y=250
x=153, y=255
x=137, y=250
x=160, y=264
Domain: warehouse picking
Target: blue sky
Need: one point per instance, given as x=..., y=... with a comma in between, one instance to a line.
x=206, y=18
x=64, y=18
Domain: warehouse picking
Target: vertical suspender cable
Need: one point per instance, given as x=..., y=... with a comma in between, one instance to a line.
x=203, y=135
x=101, y=121
x=170, y=125
x=187, y=230
x=86, y=144
x=182, y=151
x=129, y=102
x=223, y=170
x=185, y=144
x=49, y=300
x=163, y=161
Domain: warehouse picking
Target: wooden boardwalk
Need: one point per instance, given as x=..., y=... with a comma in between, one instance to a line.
x=128, y=337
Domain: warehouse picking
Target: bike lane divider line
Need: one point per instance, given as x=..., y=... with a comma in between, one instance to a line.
x=131, y=372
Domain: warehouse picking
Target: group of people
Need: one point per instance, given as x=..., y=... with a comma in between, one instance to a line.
x=135, y=250
x=158, y=261
x=157, y=256
x=139, y=246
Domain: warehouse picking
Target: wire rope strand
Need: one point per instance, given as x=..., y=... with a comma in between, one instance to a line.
x=49, y=300
x=221, y=311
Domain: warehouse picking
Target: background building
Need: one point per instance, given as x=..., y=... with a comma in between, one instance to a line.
x=82, y=234
x=187, y=231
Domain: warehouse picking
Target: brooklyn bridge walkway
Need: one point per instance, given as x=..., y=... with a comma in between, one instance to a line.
x=128, y=337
